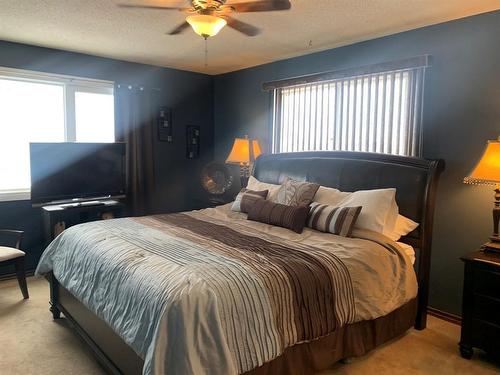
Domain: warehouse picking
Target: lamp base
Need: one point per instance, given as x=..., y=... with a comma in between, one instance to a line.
x=244, y=174
x=494, y=245
x=244, y=181
x=491, y=247
x=495, y=238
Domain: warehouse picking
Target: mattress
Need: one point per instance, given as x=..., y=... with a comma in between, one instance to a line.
x=209, y=292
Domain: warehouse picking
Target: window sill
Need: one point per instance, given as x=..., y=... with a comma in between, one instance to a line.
x=15, y=195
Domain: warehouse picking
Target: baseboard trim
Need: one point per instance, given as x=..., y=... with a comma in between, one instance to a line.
x=8, y=276
x=452, y=318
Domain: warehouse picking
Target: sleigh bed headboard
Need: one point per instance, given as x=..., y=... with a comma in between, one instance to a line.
x=415, y=181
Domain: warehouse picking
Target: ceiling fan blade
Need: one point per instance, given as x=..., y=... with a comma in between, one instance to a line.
x=261, y=6
x=242, y=27
x=179, y=29
x=150, y=7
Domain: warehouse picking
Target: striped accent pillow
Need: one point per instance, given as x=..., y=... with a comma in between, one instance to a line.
x=267, y=212
x=239, y=207
x=332, y=219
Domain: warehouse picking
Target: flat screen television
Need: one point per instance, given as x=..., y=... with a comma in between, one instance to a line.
x=72, y=171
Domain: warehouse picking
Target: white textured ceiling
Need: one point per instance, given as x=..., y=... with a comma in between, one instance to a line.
x=99, y=27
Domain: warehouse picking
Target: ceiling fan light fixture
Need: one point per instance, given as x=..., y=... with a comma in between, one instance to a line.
x=206, y=25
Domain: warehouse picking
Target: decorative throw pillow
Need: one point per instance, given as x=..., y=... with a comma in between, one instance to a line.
x=295, y=193
x=250, y=193
x=380, y=210
x=290, y=217
x=254, y=184
x=332, y=219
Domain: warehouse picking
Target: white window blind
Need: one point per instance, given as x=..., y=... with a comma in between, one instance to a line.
x=374, y=112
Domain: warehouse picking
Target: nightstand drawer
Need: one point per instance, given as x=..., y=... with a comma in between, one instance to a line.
x=486, y=336
x=481, y=304
x=487, y=282
x=486, y=309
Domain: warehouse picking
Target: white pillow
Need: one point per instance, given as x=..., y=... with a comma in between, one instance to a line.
x=392, y=217
x=379, y=210
x=329, y=196
x=402, y=227
x=254, y=184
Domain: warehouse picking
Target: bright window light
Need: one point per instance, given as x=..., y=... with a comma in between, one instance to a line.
x=379, y=112
x=29, y=112
x=38, y=107
x=94, y=115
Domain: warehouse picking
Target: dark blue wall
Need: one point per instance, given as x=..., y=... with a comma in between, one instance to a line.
x=462, y=111
x=190, y=95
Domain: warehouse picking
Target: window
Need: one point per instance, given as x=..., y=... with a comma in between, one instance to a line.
x=94, y=117
x=37, y=107
x=376, y=109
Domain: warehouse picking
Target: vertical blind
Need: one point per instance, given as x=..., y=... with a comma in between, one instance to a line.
x=379, y=112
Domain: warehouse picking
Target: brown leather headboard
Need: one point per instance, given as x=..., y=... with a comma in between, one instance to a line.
x=415, y=181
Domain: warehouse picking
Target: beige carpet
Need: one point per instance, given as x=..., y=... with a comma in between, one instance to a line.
x=32, y=343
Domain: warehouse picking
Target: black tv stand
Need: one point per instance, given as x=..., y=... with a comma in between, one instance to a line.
x=92, y=203
x=85, y=204
x=57, y=217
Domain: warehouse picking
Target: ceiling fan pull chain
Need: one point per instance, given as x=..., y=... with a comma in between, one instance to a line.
x=206, y=52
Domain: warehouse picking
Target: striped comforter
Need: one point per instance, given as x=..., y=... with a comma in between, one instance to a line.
x=193, y=293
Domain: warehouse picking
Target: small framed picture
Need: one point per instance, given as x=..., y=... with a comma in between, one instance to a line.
x=192, y=142
x=165, y=129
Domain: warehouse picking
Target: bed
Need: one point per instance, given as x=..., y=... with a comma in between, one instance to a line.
x=219, y=294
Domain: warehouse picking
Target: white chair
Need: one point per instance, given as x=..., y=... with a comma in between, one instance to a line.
x=14, y=256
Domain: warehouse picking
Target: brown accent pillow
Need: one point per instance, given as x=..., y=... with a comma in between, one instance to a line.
x=251, y=194
x=267, y=212
x=296, y=193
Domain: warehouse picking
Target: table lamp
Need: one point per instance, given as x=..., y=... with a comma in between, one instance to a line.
x=487, y=172
x=244, y=153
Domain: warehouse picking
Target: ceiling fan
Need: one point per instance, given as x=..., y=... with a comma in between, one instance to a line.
x=208, y=17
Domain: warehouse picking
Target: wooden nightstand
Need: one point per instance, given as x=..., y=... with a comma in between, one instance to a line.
x=481, y=304
x=218, y=201
x=211, y=201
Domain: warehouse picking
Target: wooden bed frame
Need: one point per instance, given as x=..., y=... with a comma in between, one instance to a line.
x=415, y=181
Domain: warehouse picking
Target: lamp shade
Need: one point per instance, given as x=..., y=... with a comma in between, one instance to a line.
x=487, y=170
x=244, y=151
x=206, y=25
x=256, y=149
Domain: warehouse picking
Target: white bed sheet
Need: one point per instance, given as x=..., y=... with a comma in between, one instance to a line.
x=409, y=250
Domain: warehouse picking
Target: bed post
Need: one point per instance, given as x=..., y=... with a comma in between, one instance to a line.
x=54, y=296
x=424, y=263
